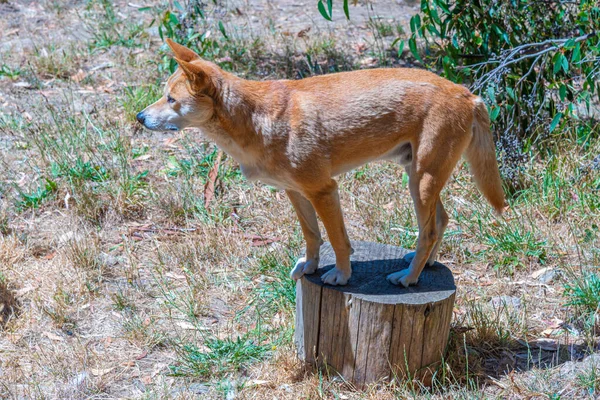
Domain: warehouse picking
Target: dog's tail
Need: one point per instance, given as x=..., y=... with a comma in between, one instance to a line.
x=481, y=155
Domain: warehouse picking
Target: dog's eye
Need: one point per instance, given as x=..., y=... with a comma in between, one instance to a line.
x=170, y=100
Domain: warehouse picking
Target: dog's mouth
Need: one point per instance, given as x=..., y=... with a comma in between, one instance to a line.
x=148, y=123
x=171, y=128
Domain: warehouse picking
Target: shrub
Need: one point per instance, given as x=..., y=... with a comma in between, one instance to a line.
x=535, y=63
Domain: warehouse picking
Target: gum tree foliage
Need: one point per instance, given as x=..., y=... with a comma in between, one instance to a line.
x=536, y=63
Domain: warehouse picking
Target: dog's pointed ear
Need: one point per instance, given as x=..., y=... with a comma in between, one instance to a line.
x=182, y=52
x=194, y=73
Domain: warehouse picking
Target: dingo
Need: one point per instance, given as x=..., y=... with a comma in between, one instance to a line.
x=298, y=135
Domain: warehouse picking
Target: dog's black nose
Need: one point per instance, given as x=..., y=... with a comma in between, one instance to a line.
x=140, y=117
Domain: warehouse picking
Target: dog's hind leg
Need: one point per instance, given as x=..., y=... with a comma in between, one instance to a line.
x=424, y=193
x=440, y=149
x=441, y=221
x=312, y=235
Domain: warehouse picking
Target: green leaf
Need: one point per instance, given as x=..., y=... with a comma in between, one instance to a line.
x=346, y=10
x=435, y=16
x=222, y=29
x=400, y=48
x=322, y=10
x=412, y=44
x=555, y=121
x=570, y=44
x=330, y=7
x=443, y=5
x=576, y=56
x=173, y=19
x=494, y=114
x=562, y=91
x=564, y=63
x=511, y=93
x=433, y=30
x=557, y=64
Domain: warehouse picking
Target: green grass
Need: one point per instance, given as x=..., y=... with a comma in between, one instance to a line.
x=37, y=197
x=277, y=291
x=220, y=357
x=136, y=98
x=584, y=293
x=9, y=72
x=515, y=247
x=589, y=380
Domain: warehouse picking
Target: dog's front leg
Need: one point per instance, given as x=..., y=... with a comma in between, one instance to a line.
x=312, y=235
x=327, y=204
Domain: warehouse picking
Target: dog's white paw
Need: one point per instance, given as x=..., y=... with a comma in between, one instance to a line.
x=335, y=277
x=304, y=267
x=403, y=278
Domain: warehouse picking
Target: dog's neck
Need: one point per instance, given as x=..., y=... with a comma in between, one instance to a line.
x=242, y=121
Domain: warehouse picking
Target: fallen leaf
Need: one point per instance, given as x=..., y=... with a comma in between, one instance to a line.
x=79, y=76
x=258, y=382
x=209, y=188
x=261, y=241
x=186, y=325
x=303, y=32
x=143, y=355
x=53, y=336
x=100, y=372
x=540, y=272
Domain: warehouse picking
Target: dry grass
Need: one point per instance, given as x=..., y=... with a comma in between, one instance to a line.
x=117, y=282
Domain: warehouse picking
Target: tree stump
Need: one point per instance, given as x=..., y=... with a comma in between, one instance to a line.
x=371, y=330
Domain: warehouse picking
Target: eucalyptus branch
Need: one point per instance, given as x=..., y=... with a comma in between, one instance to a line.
x=521, y=53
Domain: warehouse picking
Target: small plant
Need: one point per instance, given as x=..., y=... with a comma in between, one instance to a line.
x=584, y=293
x=84, y=255
x=112, y=30
x=36, y=198
x=141, y=331
x=221, y=356
x=7, y=71
x=589, y=379
x=122, y=303
x=53, y=62
x=60, y=310
x=516, y=246
x=382, y=27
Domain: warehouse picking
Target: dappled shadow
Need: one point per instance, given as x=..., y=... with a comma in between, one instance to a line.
x=496, y=359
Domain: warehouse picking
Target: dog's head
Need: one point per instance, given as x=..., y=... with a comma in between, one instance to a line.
x=188, y=96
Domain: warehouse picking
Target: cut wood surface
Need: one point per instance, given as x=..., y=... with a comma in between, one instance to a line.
x=371, y=330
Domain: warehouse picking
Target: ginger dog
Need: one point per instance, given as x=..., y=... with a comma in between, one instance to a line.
x=298, y=135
